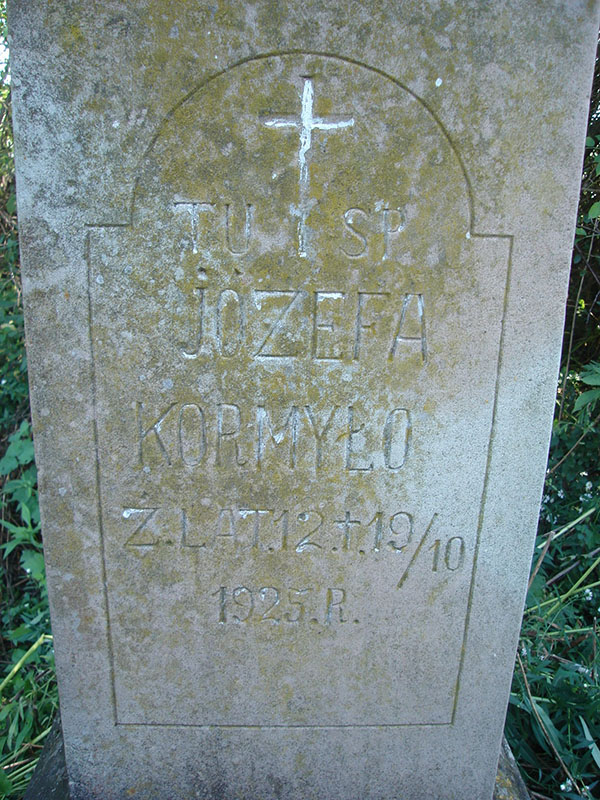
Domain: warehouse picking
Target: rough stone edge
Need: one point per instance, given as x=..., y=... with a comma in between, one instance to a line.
x=50, y=780
x=509, y=783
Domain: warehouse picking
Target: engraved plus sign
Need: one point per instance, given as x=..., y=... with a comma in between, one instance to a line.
x=306, y=123
x=346, y=525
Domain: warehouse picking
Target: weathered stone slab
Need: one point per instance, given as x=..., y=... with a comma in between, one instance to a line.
x=292, y=375
x=50, y=779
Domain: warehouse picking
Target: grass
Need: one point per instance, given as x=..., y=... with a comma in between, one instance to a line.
x=553, y=724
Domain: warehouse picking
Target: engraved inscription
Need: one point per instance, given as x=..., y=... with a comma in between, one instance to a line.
x=362, y=228
x=400, y=337
x=453, y=554
x=194, y=209
x=393, y=224
x=193, y=353
x=194, y=434
x=230, y=323
x=313, y=532
x=326, y=325
x=362, y=231
x=236, y=234
x=285, y=606
x=357, y=241
x=238, y=251
x=287, y=405
x=141, y=536
x=277, y=323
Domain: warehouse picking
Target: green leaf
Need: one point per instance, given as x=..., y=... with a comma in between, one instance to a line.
x=26, y=515
x=33, y=563
x=5, y=785
x=551, y=731
x=17, y=530
x=11, y=203
x=585, y=398
x=580, y=231
x=594, y=211
x=591, y=374
x=594, y=749
x=589, y=142
x=8, y=463
x=591, y=379
x=22, y=632
x=25, y=452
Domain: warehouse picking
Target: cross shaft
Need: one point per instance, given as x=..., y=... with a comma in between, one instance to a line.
x=306, y=123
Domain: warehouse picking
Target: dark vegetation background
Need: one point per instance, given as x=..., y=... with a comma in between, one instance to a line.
x=553, y=722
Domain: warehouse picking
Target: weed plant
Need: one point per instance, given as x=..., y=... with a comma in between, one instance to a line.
x=553, y=723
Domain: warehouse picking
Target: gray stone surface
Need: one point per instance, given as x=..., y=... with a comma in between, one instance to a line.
x=294, y=280
x=50, y=780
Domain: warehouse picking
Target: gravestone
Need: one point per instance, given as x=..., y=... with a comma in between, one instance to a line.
x=294, y=281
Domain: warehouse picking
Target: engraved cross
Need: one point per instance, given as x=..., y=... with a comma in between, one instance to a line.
x=306, y=123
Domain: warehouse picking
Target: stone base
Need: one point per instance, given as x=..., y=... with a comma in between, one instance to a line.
x=509, y=783
x=50, y=782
